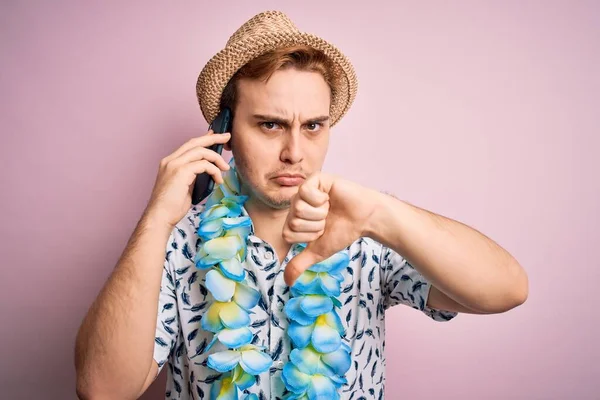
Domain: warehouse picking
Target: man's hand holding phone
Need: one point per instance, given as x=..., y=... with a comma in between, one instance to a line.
x=171, y=196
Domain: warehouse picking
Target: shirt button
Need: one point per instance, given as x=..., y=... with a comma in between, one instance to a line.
x=269, y=256
x=279, y=363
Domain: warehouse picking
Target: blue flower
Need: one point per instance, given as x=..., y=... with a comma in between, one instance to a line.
x=250, y=358
x=323, y=278
x=230, y=189
x=324, y=333
x=224, y=389
x=224, y=289
x=311, y=386
x=222, y=315
x=311, y=362
x=305, y=309
x=217, y=250
x=232, y=308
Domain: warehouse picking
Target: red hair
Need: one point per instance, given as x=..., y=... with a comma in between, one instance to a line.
x=302, y=58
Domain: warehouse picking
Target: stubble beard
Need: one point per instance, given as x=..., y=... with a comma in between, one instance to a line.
x=276, y=203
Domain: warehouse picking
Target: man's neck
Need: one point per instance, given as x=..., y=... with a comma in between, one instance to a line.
x=268, y=225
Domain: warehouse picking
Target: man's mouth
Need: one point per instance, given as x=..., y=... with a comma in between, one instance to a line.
x=289, y=179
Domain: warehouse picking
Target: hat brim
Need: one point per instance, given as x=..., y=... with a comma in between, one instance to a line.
x=221, y=68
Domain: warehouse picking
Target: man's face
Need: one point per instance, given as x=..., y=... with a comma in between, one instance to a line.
x=280, y=133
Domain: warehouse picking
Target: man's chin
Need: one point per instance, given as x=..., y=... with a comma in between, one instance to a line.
x=281, y=205
x=276, y=197
x=282, y=198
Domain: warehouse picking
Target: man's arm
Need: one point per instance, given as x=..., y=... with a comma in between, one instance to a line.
x=114, y=346
x=468, y=271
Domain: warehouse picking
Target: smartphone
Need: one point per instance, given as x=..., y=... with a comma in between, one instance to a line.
x=204, y=184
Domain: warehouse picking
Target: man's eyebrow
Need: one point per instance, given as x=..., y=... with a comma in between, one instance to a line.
x=322, y=118
x=280, y=120
x=272, y=118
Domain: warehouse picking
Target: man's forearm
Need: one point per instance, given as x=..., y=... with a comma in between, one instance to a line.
x=460, y=262
x=115, y=343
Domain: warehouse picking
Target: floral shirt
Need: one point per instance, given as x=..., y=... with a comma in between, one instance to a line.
x=376, y=279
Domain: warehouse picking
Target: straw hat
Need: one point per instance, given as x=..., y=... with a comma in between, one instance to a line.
x=262, y=33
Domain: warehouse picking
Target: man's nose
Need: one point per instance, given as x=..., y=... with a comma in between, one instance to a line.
x=292, y=149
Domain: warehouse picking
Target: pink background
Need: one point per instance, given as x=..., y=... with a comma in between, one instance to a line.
x=486, y=112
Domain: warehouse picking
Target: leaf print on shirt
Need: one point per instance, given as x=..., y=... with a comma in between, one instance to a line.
x=364, y=306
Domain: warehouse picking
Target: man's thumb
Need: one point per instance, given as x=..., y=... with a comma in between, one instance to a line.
x=300, y=263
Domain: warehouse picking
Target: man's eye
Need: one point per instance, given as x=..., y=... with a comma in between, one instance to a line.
x=313, y=126
x=269, y=125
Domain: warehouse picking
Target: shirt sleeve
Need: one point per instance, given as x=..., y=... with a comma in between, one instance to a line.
x=403, y=284
x=167, y=321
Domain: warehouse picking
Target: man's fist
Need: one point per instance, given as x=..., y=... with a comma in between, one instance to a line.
x=328, y=214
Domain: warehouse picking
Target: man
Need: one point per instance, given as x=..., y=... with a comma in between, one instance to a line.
x=284, y=101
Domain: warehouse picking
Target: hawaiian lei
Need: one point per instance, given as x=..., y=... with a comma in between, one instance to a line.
x=319, y=359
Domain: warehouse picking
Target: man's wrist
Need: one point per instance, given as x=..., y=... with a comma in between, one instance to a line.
x=153, y=222
x=376, y=223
